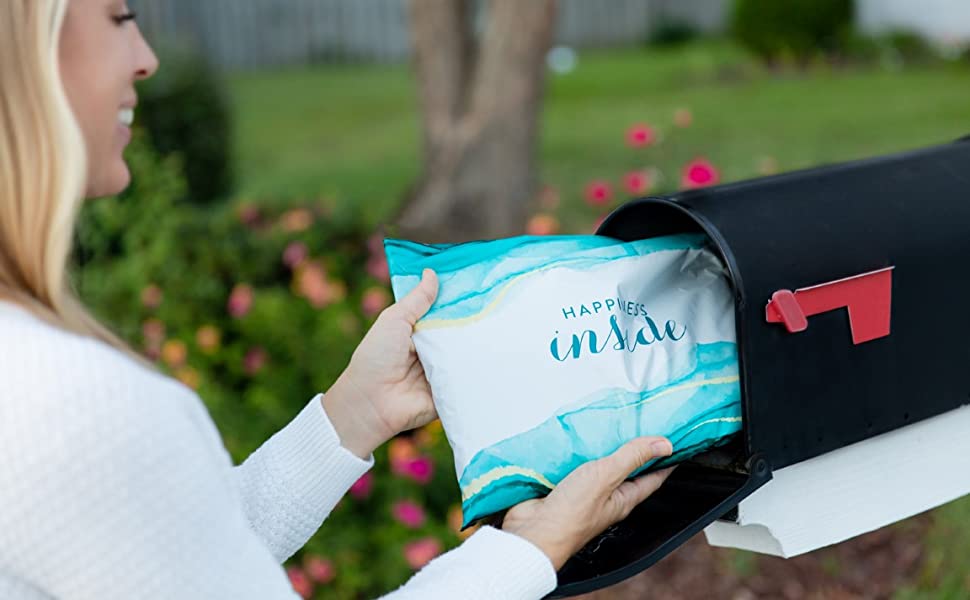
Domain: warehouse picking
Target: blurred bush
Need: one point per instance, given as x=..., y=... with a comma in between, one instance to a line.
x=259, y=311
x=792, y=30
x=672, y=33
x=893, y=49
x=186, y=110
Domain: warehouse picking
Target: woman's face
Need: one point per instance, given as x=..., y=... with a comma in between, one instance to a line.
x=102, y=55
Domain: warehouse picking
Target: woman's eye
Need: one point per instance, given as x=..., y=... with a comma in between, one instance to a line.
x=121, y=19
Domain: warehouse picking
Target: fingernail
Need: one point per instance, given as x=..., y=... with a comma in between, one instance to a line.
x=661, y=448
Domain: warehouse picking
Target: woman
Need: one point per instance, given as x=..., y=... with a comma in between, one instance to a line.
x=114, y=482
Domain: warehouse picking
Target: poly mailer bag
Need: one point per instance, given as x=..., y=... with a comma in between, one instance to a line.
x=545, y=352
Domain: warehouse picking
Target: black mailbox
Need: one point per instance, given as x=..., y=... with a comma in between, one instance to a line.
x=851, y=286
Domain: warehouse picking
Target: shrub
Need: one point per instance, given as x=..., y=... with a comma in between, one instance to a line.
x=796, y=29
x=672, y=33
x=185, y=110
x=259, y=311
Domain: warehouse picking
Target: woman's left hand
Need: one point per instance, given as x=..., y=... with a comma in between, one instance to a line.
x=383, y=390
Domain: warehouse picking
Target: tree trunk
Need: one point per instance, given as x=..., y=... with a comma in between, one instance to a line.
x=480, y=108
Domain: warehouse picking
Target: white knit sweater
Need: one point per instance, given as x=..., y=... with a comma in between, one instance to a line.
x=114, y=483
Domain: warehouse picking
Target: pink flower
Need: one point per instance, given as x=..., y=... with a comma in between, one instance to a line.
x=598, y=193
x=420, y=552
x=362, y=487
x=151, y=296
x=683, y=117
x=153, y=330
x=294, y=254
x=699, y=173
x=408, y=514
x=640, y=135
x=319, y=569
x=240, y=300
x=542, y=224
x=636, y=183
x=255, y=360
x=378, y=269
x=374, y=301
x=375, y=244
x=300, y=582
x=310, y=282
x=420, y=469
x=249, y=214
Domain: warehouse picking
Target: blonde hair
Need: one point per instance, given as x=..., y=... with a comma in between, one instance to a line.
x=43, y=169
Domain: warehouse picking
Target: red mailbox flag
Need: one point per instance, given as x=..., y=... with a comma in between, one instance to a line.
x=868, y=297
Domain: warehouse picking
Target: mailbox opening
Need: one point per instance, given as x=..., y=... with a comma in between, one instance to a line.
x=702, y=490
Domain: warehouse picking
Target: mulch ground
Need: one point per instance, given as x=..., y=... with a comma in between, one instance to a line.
x=870, y=566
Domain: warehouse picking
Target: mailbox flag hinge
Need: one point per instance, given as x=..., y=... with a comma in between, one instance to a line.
x=868, y=298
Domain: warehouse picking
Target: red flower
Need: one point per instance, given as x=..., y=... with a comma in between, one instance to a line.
x=362, y=487
x=420, y=552
x=319, y=569
x=408, y=514
x=598, y=193
x=640, y=135
x=699, y=173
x=542, y=224
x=636, y=183
x=300, y=582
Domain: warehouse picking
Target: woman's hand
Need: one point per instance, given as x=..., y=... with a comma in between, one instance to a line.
x=383, y=390
x=588, y=500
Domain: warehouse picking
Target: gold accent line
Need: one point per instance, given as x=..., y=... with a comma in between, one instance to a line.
x=685, y=386
x=489, y=477
x=719, y=420
x=479, y=483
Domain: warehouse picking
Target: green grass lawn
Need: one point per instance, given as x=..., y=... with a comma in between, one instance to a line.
x=352, y=133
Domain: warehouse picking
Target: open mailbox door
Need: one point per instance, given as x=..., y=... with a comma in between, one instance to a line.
x=852, y=292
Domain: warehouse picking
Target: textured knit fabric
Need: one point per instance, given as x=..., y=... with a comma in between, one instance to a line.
x=114, y=483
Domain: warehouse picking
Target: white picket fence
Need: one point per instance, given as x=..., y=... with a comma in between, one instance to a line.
x=244, y=34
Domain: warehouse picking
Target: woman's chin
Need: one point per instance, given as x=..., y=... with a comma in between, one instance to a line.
x=111, y=183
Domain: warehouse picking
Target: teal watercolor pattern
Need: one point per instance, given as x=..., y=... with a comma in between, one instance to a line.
x=473, y=274
x=695, y=417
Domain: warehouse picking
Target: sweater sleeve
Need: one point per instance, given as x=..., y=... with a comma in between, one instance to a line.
x=491, y=564
x=291, y=483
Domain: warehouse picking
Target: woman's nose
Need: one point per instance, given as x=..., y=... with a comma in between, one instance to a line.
x=147, y=62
